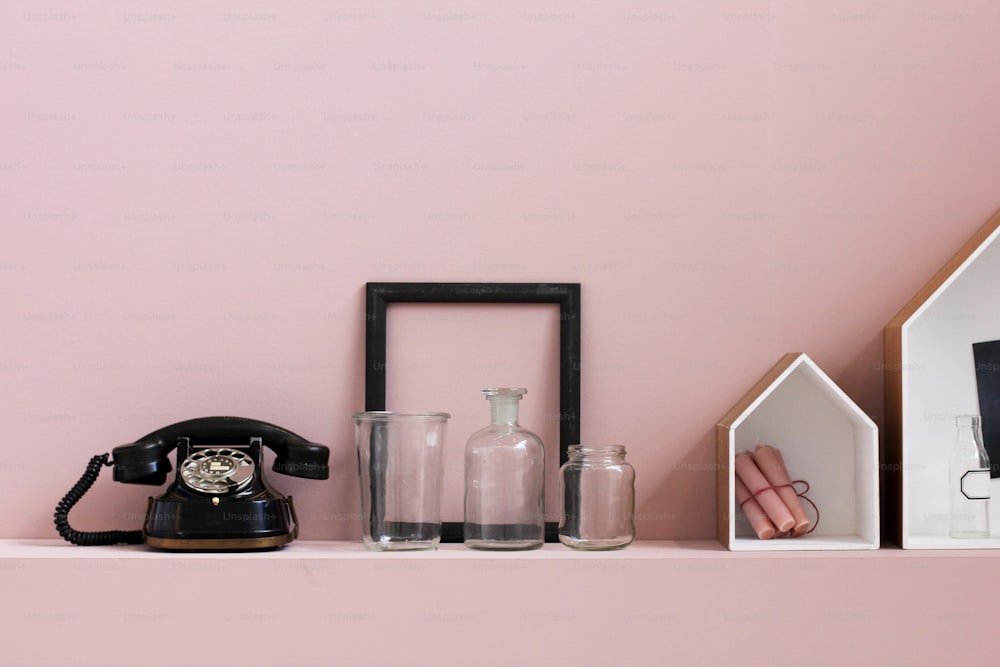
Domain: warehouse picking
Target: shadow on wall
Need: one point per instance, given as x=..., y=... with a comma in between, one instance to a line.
x=864, y=381
x=339, y=515
x=683, y=504
x=675, y=510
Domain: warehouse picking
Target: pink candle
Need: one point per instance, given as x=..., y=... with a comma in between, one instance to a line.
x=770, y=463
x=768, y=499
x=754, y=512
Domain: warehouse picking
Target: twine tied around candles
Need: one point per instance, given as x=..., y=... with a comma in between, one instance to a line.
x=801, y=494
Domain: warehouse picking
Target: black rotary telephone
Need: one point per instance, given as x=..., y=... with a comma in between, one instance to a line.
x=218, y=500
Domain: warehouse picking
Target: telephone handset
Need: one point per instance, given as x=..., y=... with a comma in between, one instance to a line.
x=218, y=499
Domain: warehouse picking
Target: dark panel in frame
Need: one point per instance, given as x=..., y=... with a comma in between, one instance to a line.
x=566, y=295
x=987, y=358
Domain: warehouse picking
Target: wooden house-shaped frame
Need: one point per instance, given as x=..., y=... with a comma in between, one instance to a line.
x=930, y=378
x=825, y=439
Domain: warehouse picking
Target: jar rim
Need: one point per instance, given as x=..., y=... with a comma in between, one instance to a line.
x=389, y=415
x=597, y=448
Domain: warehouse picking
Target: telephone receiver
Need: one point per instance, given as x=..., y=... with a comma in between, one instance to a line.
x=219, y=500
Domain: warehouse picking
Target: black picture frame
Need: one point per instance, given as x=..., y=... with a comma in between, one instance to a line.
x=566, y=295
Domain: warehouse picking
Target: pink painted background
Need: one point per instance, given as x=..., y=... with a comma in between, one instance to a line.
x=193, y=197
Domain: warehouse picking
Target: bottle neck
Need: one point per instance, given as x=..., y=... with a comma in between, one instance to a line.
x=968, y=429
x=966, y=433
x=503, y=410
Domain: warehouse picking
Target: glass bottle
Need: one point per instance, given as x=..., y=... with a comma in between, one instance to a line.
x=504, y=480
x=969, y=477
x=597, y=488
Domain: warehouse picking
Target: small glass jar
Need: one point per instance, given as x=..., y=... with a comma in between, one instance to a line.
x=597, y=493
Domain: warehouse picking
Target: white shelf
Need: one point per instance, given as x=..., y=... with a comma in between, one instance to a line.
x=325, y=603
x=338, y=550
x=38, y=550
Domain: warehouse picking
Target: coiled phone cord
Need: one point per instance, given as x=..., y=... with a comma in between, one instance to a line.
x=89, y=539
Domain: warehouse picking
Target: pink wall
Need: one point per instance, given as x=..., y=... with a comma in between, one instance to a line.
x=193, y=198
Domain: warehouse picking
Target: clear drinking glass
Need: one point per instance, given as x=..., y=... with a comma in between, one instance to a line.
x=597, y=490
x=969, y=473
x=504, y=480
x=400, y=464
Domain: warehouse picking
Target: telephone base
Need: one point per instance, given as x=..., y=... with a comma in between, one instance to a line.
x=220, y=544
x=178, y=523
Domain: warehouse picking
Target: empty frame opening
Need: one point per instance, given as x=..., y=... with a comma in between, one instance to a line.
x=439, y=356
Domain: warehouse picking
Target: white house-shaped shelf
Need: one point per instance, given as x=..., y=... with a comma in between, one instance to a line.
x=824, y=438
x=930, y=378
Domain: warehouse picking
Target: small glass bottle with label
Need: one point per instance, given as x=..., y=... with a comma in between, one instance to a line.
x=969, y=476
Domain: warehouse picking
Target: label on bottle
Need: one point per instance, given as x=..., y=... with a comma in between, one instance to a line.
x=976, y=484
